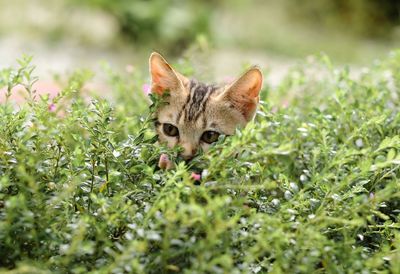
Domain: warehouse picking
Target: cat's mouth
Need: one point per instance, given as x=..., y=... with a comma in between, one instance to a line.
x=187, y=159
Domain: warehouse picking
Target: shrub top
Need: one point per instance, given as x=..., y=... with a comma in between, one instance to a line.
x=312, y=186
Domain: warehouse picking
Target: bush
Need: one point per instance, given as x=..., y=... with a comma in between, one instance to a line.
x=367, y=18
x=171, y=25
x=311, y=187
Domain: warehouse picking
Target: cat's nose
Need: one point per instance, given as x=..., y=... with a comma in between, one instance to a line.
x=189, y=152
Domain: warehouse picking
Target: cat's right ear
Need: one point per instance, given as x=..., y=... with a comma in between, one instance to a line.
x=243, y=94
x=163, y=76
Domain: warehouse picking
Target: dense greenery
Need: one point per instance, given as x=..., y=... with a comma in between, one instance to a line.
x=368, y=18
x=308, y=187
x=173, y=25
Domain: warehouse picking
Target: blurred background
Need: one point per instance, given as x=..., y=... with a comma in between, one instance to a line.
x=217, y=37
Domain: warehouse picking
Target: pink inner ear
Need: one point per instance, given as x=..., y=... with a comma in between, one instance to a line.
x=160, y=80
x=161, y=73
x=243, y=94
x=255, y=89
x=156, y=86
x=246, y=106
x=157, y=89
x=163, y=78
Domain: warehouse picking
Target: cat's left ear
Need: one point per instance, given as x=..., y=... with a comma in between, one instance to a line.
x=243, y=94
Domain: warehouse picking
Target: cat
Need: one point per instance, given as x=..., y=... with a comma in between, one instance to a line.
x=196, y=114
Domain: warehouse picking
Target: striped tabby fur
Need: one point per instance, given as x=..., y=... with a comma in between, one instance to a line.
x=197, y=113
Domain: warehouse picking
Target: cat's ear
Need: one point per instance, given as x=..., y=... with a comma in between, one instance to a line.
x=243, y=94
x=164, y=77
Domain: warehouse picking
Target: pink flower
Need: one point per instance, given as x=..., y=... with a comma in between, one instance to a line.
x=195, y=176
x=164, y=158
x=146, y=89
x=51, y=107
x=165, y=162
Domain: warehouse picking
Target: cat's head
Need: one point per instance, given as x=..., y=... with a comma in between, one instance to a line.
x=195, y=114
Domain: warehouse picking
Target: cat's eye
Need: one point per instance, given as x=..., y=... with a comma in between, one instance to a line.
x=170, y=130
x=210, y=136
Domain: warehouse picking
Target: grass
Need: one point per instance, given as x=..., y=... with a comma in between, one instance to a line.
x=311, y=187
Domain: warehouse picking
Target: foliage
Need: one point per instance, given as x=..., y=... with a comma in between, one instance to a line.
x=311, y=187
x=368, y=18
x=172, y=25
